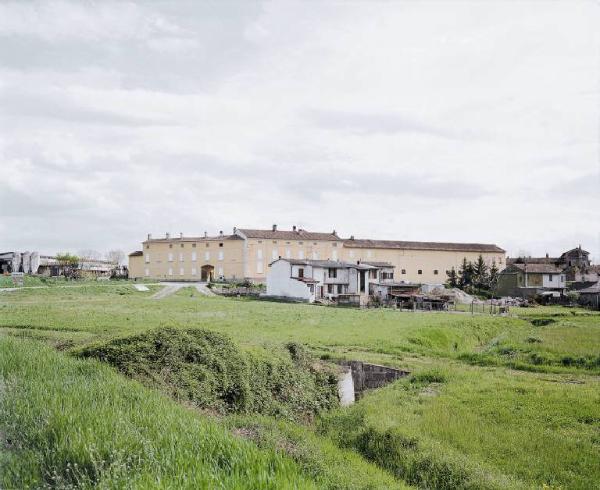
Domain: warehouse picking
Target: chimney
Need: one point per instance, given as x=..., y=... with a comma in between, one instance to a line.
x=547, y=255
x=149, y=236
x=181, y=235
x=351, y=237
x=334, y=233
x=221, y=233
x=234, y=230
x=274, y=227
x=205, y=235
x=167, y=235
x=294, y=228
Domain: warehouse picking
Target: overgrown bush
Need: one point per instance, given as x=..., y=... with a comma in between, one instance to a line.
x=207, y=369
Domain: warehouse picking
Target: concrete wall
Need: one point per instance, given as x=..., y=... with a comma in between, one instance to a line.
x=368, y=376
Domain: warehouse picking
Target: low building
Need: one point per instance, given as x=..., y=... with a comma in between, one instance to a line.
x=590, y=296
x=531, y=280
x=312, y=280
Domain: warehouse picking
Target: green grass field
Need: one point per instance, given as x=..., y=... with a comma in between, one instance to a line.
x=493, y=402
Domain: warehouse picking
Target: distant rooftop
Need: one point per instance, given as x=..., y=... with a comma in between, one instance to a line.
x=294, y=234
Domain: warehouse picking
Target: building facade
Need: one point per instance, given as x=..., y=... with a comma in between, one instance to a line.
x=422, y=262
x=247, y=253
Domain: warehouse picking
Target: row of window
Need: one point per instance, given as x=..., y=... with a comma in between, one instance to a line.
x=182, y=245
x=194, y=271
x=420, y=271
x=299, y=243
x=220, y=256
x=288, y=254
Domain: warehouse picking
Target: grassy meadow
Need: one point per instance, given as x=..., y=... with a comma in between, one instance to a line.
x=492, y=402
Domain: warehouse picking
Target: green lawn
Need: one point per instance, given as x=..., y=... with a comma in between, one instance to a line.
x=493, y=402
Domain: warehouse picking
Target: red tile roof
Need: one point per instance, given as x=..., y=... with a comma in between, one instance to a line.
x=538, y=268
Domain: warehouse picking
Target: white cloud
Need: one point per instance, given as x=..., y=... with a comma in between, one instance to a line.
x=434, y=121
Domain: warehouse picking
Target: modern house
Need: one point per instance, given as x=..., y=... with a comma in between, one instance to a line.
x=311, y=280
x=530, y=280
x=246, y=253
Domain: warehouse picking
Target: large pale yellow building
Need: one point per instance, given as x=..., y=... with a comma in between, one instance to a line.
x=422, y=262
x=247, y=253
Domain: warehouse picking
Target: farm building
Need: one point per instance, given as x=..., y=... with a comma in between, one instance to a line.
x=590, y=296
x=246, y=253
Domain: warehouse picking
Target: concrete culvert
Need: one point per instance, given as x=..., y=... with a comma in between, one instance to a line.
x=360, y=376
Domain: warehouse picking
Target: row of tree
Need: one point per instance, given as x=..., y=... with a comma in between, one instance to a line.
x=474, y=277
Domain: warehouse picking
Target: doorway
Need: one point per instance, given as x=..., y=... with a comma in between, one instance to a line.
x=207, y=273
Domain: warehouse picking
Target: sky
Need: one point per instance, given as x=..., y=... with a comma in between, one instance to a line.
x=411, y=120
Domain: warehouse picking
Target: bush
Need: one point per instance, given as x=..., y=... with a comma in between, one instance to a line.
x=209, y=370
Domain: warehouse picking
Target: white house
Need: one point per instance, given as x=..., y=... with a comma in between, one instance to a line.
x=310, y=280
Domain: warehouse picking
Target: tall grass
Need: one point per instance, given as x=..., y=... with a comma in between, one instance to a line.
x=68, y=423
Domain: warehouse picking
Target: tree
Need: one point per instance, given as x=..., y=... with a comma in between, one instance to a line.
x=465, y=274
x=69, y=265
x=452, y=278
x=480, y=273
x=117, y=257
x=493, y=277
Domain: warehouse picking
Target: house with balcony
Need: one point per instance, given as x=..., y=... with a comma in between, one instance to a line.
x=332, y=280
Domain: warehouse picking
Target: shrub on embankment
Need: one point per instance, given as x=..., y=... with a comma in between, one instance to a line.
x=209, y=370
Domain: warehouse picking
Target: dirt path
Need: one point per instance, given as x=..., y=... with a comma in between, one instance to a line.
x=171, y=288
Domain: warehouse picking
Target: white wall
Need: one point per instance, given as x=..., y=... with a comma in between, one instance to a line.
x=557, y=281
x=280, y=282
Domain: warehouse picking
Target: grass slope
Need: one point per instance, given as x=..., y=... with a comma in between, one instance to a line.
x=467, y=420
x=69, y=423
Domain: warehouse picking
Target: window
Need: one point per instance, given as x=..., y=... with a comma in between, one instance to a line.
x=194, y=257
x=387, y=275
x=193, y=245
x=314, y=243
x=170, y=271
x=170, y=245
x=147, y=258
x=274, y=254
x=221, y=255
x=403, y=271
x=194, y=271
x=334, y=244
x=181, y=271
x=275, y=242
x=220, y=244
x=300, y=243
x=419, y=271
x=181, y=245
x=550, y=277
x=181, y=257
x=170, y=257
x=259, y=267
x=301, y=272
x=300, y=254
x=147, y=271
x=332, y=272
x=147, y=247
x=207, y=245
x=207, y=255
x=340, y=289
x=330, y=288
x=334, y=254
x=259, y=253
x=435, y=272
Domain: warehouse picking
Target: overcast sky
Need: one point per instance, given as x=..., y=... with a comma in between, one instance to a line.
x=444, y=121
